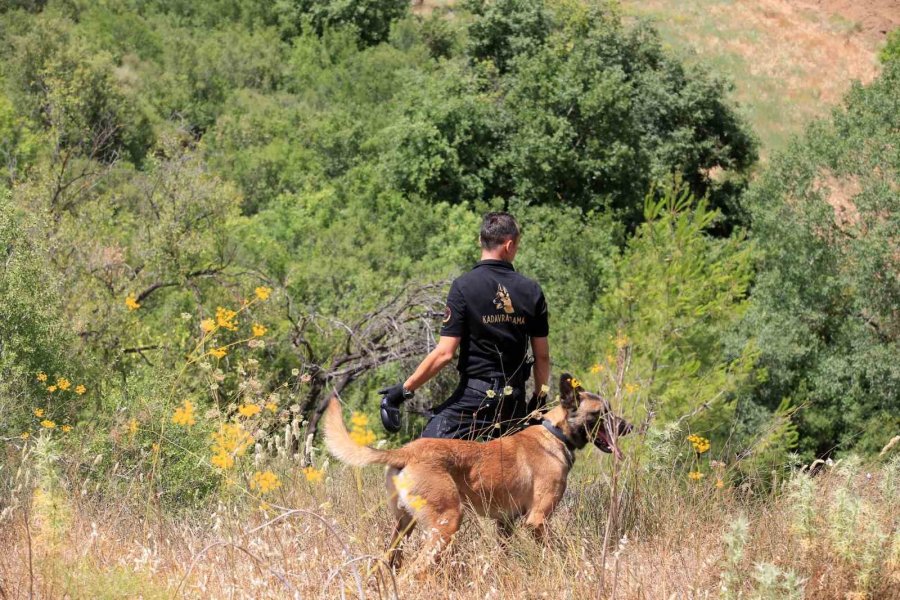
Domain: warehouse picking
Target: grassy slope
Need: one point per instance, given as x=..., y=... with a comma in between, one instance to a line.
x=789, y=61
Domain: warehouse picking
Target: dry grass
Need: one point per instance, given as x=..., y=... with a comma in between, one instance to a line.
x=789, y=60
x=830, y=536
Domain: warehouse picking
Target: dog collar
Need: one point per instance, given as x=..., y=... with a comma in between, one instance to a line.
x=558, y=434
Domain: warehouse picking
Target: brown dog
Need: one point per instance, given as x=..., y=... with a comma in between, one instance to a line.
x=524, y=474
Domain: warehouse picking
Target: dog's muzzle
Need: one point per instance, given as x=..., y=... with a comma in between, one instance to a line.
x=606, y=443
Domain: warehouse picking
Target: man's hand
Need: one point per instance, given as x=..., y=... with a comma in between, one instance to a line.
x=392, y=398
x=537, y=401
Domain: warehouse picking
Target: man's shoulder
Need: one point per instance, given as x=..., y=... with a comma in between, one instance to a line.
x=526, y=282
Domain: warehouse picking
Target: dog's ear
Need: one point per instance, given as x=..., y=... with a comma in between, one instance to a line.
x=569, y=388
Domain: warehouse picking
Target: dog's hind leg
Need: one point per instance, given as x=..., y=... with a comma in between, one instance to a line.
x=405, y=521
x=438, y=507
x=536, y=521
x=402, y=530
x=442, y=525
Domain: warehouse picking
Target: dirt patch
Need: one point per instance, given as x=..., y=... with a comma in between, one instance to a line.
x=839, y=194
x=875, y=18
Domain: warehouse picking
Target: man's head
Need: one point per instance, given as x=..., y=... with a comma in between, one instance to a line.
x=499, y=236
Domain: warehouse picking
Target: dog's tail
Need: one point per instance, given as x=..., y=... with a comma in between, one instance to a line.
x=346, y=450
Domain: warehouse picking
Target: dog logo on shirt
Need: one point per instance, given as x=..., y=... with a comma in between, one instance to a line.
x=502, y=300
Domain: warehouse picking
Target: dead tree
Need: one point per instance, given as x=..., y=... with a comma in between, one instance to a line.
x=401, y=328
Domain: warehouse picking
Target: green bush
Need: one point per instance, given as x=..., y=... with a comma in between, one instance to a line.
x=824, y=311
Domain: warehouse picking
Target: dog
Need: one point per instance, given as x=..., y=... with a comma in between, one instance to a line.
x=502, y=301
x=521, y=475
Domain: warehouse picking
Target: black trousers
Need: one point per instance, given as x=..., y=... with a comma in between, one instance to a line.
x=471, y=413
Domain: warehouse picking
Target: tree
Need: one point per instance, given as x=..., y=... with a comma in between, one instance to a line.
x=826, y=214
x=588, y=113
x=371, y=19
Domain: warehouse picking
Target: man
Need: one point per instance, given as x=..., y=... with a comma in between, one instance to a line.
x=492, y=313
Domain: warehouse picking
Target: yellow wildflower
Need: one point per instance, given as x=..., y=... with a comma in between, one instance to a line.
x=248, y=410
x=66, y=428
x=359, y=420
x=131, y=302
x=48, y=424
x=631, y=388
x=259, y=330
x=401, y=482
x=263, y=292
x=719, y=483
x=208, y=325
x=490, y=393
x=416, y=502
x=575, y=383
x=222, y=460
x=363, y=437
x=63, y=384
x=621, y=340
x=225, y=318
x=51, y=388
x=39, y=412
x=80, y=389
x=184, y=414
x=132, y=427
x=700, y=444
x=695, y=475
x=219, y=352
x=265, y=482
x=596, y=368
x=271, y=407
x=507, y=391
x=42, y=377
x=25, y=435
x=231, y=440
x=313, y=475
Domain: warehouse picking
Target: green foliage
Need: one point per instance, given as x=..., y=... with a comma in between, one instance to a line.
x=18, y=142
x=589, y=114
x=891, y=50
x=178, y=154
x=70, y=88
x=677, y=330
x=506, y=29
x=371, y=19
x=33, y=334
x=824, y=304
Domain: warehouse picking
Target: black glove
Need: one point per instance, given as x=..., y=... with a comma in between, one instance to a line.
x=391, y=400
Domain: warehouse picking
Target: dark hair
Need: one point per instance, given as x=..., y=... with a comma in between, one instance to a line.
x=497, y=228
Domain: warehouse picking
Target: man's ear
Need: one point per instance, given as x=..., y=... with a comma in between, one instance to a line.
x=569, y=388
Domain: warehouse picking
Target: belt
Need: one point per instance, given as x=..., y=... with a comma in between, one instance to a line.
x=494, y=383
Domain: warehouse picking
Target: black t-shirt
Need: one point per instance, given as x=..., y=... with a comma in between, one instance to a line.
x=495, y=311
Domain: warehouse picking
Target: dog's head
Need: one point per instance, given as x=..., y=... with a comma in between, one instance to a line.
x=590, y=418
x=502, y=301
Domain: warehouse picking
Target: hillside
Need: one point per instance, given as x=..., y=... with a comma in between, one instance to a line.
x=789, y=60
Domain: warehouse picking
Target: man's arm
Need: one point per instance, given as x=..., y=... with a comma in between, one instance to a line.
x=540, y=347
x=436, y=360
